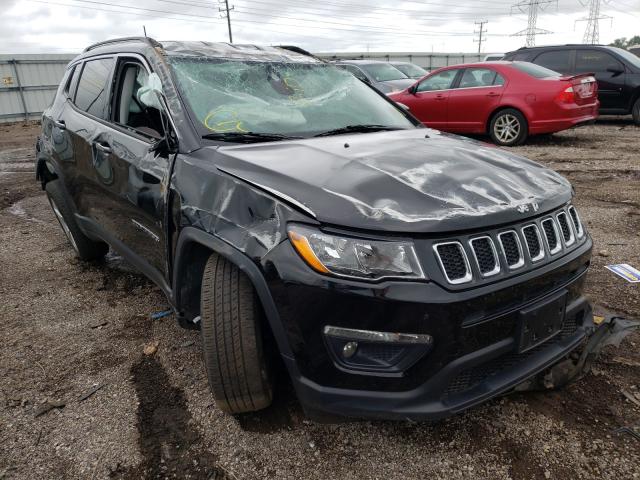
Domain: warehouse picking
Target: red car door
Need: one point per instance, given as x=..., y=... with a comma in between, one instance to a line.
x=428, y=99
x=472, y=101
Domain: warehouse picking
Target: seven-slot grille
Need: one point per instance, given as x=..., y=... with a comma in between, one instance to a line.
x=534, y=243
x=511, y=248
x=551, y=235
x=567, y=233
x=517, y=247
x=485, y=255
x=454, y=262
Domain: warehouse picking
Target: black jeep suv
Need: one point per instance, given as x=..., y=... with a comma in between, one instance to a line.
x=617, y=72
x=288, y=209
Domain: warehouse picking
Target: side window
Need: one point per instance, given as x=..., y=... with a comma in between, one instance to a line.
x=477, y=77
x=439, y=81
x=520, y=57
x=356, y=71
x=137, y=106
x=595, y=61
x=91, y=95
x=556, y=60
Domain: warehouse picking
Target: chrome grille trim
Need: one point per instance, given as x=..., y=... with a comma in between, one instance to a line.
x=520, y=252
x=541, y=254
x=468, y=277
x=569, y=223
x=556, y=234
x=496, y=267
x=578, y=228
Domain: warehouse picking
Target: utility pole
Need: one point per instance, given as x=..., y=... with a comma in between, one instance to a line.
x=531, y=7
x=224, y=13
x=480, y=33
x=592, y=32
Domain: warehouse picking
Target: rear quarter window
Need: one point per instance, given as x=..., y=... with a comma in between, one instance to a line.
x=556, y=60
x=93, y=87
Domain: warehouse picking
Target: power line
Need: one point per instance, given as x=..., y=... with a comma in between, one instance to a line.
x=226, y=14
x=532, y=7
x=482, y=23
x=592, y=32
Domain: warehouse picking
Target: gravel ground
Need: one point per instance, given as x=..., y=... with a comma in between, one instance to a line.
x=69, y=328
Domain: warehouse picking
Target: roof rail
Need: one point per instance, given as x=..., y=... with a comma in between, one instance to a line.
x=148, y=40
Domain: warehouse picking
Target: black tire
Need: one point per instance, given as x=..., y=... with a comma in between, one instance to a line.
x=84, y=247
x=635, y=111
x=231, y=317
x=508, y=128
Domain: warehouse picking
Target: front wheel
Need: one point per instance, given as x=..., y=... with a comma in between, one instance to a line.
x=231, y=317
x=635, y=111
x=509, y=128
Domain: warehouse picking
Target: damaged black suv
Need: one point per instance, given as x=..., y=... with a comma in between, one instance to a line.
x=289, y=210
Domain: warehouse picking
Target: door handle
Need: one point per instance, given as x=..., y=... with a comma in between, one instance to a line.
x=60, y=124
x=440, y=97
x=493, y=94
x=102, y=148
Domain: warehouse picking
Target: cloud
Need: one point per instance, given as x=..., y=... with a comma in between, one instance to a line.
x=334, y=25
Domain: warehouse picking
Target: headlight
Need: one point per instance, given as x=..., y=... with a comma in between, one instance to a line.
x=351, y=257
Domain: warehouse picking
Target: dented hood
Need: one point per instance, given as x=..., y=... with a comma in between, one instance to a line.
x=402, y=181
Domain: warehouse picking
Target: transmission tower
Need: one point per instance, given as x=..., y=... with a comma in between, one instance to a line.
x=532, y=7
x=481, y=33
x=592, y=33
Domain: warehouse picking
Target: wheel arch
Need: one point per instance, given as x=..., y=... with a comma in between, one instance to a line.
x=499, y=109
x=193, y=249
x=45, y=170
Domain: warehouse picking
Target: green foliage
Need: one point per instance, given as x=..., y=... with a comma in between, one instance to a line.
x=626, y=43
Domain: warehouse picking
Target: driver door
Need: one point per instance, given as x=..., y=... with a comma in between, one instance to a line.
x=429, y=101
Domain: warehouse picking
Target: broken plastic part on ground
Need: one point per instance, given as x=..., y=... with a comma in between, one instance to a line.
x=610, y=331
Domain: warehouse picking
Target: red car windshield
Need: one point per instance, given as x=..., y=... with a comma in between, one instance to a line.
x=535, y=70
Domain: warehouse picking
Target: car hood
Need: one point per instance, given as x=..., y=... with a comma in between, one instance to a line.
x=417, y=180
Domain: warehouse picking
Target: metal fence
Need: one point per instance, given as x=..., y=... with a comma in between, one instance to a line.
x=428, y=61
x=28, y=84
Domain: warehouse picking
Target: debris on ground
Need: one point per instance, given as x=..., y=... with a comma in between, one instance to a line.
x=151, y=348
x=159, y=315
x=48, y=406
x=89, y=392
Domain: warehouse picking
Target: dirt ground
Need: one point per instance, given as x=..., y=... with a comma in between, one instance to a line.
x=73, y=334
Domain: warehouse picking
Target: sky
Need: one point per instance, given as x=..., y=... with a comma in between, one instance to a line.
x=67, y=26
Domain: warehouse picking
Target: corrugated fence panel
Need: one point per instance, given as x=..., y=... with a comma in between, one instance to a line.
x=430, y=61
x=36, y=81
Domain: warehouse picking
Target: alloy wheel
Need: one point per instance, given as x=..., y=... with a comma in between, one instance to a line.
x=507, y=128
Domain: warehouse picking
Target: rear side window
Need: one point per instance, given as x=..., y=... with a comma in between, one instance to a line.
x=557, y=60
x=595, y=61
x=91, y=95
x=535, y=70
x=70, y=80
x=477, y=77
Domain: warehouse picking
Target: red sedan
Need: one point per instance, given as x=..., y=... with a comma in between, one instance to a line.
x=507, y=100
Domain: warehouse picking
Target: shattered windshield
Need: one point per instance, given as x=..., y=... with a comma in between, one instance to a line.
x=294, y=99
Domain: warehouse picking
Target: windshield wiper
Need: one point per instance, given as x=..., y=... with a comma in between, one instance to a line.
x=357, y=129
x=247, y=137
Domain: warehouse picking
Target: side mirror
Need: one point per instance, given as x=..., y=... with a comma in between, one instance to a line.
x=413, y=89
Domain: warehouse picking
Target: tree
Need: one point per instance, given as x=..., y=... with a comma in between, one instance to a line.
x=624, y=43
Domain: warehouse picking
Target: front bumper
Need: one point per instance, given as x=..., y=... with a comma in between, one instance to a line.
x=474, y=356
